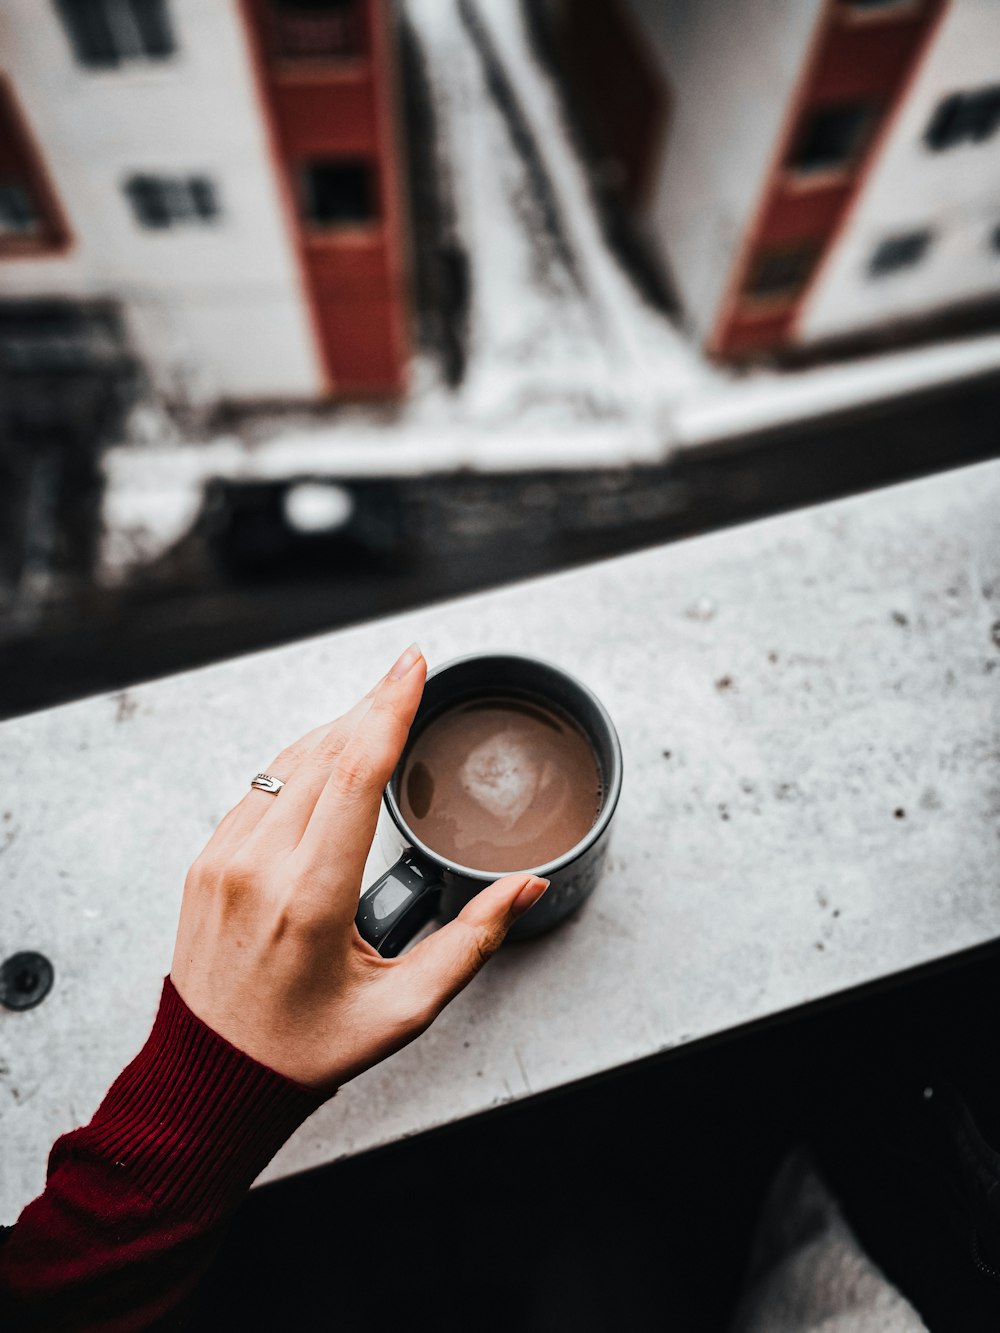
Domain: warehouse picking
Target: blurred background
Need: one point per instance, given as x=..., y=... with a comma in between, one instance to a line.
x=311, y=310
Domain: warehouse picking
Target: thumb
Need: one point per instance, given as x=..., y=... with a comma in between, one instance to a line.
x=446, y=961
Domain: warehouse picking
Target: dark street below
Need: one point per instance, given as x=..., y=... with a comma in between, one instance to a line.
x=214, y=597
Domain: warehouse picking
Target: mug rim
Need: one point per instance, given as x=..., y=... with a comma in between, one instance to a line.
x=550, y=867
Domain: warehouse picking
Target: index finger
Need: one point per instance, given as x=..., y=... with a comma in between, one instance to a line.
x=342, y=824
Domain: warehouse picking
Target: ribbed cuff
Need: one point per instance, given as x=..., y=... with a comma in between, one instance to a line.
x=193, y=1119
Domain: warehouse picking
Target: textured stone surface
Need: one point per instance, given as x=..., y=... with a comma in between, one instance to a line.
x=809, y=713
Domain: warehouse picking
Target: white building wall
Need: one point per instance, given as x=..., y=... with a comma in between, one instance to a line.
x=215, y=309
x=955, y=192
x=731, y=68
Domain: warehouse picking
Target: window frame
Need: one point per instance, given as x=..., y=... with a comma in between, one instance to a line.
x=925, y=236
x=889, y=11
x=316, y=229
x=22, y=165
x=117, y=17
x=148, y=193
x=14, y=187
x=804, y=176
x=306, y=40
x=968, y=138
x=768, y=302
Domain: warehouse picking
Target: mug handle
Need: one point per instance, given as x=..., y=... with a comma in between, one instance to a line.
x=395, y=907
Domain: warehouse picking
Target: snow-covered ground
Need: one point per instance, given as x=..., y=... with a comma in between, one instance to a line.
x=568, y=366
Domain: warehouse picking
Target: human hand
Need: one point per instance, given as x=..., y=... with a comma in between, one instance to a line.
x=267, y=953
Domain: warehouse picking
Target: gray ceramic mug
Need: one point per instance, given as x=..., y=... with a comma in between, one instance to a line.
x=423, y=884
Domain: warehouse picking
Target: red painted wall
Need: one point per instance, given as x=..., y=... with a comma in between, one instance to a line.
x=335, y=97
x=853, y=56
x=21, y=164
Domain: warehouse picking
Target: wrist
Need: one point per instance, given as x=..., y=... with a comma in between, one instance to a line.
x=194, y=1120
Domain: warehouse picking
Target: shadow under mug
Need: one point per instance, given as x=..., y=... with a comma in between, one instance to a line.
x=423, y=884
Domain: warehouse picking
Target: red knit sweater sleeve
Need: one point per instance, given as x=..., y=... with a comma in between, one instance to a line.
x=135, y=1203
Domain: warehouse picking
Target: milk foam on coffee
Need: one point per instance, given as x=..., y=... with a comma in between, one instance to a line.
x=500, y=784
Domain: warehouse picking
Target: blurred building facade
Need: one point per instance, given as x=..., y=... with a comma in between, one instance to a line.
x=810, y=172
x=218, y=184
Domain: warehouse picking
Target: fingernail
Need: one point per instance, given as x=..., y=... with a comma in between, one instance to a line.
x=528, y=896
x=409, y=659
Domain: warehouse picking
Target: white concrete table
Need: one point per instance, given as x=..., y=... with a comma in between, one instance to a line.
x=809, y=713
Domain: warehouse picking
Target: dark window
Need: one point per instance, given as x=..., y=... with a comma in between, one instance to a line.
x=339, y=193
x=995, y=239
x=896, y=252
x=781, y=272
x=831, y=137
x=964, y=118
x=315, y=29
x=18, y=214
x=203, y=198
x=106, y=32
x=166, y=201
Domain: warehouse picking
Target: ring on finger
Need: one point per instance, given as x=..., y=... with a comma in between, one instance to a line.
x=265, y=782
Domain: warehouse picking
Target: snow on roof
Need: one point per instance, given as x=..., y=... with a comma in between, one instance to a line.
x=568, y=365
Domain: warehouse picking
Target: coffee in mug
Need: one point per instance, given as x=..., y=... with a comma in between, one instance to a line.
x=500, y=783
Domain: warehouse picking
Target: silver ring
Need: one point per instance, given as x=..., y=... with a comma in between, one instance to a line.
x=264, y=782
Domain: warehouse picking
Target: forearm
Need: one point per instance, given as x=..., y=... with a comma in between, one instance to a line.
x=136, y=1203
